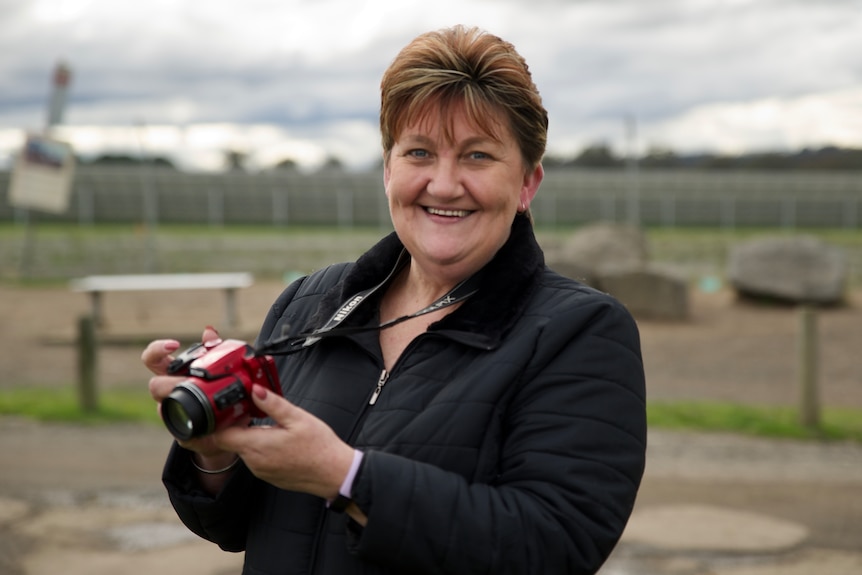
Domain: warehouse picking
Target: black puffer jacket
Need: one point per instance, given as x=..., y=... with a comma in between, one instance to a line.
x=509, y=438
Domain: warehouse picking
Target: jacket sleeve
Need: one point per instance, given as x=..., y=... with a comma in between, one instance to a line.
x=571, y=459
x=222, y=519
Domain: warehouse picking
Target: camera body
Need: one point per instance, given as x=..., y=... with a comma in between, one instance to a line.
x=217, y=389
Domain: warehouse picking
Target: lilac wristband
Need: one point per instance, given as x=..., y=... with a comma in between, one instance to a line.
x=346, y=489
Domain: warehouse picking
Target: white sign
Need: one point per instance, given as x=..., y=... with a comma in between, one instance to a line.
x=42, y=175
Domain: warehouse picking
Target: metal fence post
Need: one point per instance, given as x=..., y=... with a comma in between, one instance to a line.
x=215, y=207
x=728, y=213
x=788, y=213
x=344, y=208
x=851, y=207
x=279, y=207
x=668, y=211
x=86, y=207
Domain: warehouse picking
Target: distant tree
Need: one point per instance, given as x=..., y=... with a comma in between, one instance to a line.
x=717, y=162
x=128, y=160
x=287, y=164
x=235, y=160
x=552, y=162
x=659, y=157
x=597, y=156
x=830, y=158
x=332, y=164
x=768, y=161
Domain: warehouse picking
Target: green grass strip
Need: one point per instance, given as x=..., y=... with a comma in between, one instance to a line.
x=840, y=424
x=63, y=405
x=135, y=405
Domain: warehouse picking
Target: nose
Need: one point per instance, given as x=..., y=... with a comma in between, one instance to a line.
x=444, y=179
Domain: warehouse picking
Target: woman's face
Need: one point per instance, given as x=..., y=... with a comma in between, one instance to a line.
x=453, y=202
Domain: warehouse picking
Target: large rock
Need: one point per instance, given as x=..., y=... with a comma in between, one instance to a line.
x=797, y=269
x=648, y=291
x=596, y=248
x=614, y=258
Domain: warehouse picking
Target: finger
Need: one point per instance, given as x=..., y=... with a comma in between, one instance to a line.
x=273, y=405
x=157, y=355
x=210, y=334
x=284, y=413
x=161, y=386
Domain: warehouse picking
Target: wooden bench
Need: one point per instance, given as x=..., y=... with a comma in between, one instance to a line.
x=229, y=282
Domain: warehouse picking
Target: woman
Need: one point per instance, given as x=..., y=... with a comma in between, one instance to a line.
x=500, y=430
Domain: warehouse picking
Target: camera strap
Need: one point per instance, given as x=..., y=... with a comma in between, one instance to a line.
x=292, y=344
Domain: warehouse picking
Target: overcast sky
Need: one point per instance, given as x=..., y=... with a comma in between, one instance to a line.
x=190, y=79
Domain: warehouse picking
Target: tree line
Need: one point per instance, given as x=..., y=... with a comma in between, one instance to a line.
x=598, y=156
x=825, y=158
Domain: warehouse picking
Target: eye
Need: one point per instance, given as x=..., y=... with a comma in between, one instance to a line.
x=417, y=153
x=477, y=155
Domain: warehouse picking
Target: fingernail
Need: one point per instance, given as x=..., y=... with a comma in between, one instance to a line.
x=209, y=327
x=172, y=345
x=259, y=390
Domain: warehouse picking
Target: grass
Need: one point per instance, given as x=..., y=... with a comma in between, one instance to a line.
x=64, y=250
x=839, y=424
x=61, y=404
x=134, y=405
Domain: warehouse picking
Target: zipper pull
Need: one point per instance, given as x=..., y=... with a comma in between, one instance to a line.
x=384, y=376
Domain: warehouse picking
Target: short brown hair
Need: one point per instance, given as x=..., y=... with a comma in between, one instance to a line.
x=468, y=66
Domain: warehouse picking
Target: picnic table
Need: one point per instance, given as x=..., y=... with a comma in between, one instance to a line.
x=98, y=285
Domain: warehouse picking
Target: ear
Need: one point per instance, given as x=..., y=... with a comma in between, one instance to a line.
x=387, y=173
x=532, y=180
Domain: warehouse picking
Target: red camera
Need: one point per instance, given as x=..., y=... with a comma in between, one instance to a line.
x=217, y=391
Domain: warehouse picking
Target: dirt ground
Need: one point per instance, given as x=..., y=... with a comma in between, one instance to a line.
x=727, y=350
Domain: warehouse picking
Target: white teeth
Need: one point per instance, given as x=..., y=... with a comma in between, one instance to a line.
x=448, y=213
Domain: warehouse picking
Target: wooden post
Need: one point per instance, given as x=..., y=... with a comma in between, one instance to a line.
x=231, y=315
x=87, y=364
x=809, y=396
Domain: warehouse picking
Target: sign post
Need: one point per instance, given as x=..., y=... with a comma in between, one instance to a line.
x=62, y=79
x=44, y=169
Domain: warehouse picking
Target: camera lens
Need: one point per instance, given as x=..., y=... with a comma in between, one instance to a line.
x=187, y=412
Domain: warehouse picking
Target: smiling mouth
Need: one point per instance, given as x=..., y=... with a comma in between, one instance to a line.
x=448, y=213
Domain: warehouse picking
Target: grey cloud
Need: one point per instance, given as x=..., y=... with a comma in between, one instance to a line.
x=594, y=61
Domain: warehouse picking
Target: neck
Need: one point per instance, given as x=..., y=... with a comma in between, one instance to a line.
x=412, y=290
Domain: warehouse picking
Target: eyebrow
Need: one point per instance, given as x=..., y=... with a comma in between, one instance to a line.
x=472, y=141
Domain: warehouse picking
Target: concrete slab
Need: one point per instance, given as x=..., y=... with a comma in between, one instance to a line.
x=701, y=528
x=812, y=561
x=195, y=557
x=12, y=510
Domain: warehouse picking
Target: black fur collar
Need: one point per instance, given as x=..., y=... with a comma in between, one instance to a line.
x=505, y=285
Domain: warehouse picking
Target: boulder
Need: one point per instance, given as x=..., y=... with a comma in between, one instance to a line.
x=796, y=269
x=614, y=258
x=648, y=291
x=598, y=247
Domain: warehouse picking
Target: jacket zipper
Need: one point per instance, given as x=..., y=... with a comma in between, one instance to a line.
x=321, y=527
x=381, y=381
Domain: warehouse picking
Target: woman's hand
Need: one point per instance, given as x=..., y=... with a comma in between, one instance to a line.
x=157, y=356
x=300, y=452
